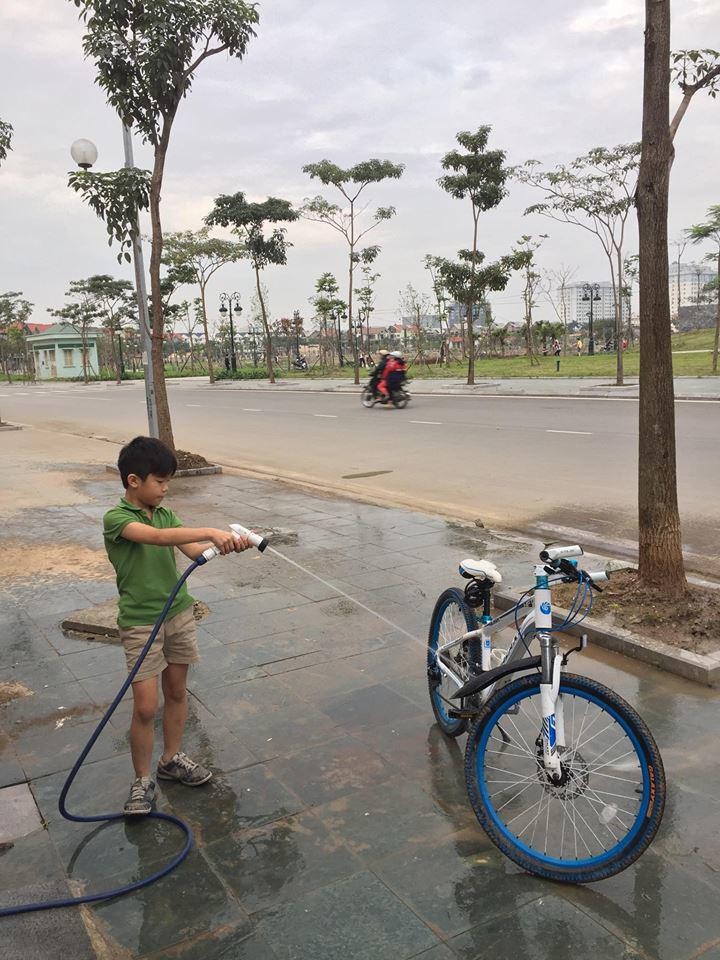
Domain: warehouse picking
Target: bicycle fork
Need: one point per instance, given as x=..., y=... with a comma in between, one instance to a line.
x=551, y=705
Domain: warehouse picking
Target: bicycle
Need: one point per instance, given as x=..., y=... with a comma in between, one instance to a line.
x=561, y=772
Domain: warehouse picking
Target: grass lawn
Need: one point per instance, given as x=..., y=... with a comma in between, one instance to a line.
x=601, y=365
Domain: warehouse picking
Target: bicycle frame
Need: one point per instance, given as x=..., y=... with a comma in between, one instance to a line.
x=551, y=661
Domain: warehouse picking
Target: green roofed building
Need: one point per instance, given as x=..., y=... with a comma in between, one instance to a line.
x=58, y=352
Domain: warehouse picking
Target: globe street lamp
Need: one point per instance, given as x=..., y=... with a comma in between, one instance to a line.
x=228, y=299
x=84, y=153
x=591, y=294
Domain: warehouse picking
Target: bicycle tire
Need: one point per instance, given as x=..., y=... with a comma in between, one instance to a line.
x=439, y=694
x=650, y=788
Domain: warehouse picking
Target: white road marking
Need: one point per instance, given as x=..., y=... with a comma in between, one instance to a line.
x=252, y=410
x=435, y=423
x=579, y=433
x=326, y=416
x=193, y=404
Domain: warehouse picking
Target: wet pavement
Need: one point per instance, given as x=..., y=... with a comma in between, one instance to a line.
x=337, y=823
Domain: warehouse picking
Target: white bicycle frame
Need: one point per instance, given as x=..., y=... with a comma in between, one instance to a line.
x=553, y=725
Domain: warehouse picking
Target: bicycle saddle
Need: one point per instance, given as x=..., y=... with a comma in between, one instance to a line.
x=480, y=570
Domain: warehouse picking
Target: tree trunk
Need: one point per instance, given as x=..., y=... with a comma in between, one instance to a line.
x=208, y=349
x=717, y=320
x=660, y=545
x=619, y=371
x=266, y=327
x=353, y=344
x=164, y=424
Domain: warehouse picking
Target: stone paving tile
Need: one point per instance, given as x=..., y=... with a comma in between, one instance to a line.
x=280, y=861
x=47, y=935
x=331, y=770
x=337, y=729
x=547, y=929
x=357, y=919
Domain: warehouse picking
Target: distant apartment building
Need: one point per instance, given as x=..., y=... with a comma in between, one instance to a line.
x=577, y=303
x=690, y=279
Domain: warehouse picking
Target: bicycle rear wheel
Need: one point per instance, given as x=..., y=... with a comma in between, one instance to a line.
x=607, y=806
x=451, y=618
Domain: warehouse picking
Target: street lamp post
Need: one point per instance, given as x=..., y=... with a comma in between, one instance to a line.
x=253, y=330
x=228, y=299
x=297, y=322
x=84, y=153
x=591, y=294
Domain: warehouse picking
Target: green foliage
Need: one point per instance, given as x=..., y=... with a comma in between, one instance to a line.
x=708, y=231
x=116, y=198
x=247, y=220
x=326, y=298
x=6, y=132
x=478, y=173
x=193, y=257
x=146, y=54
x=696, y=70
x=243, y=373
x=15, y=311
x=362, y=174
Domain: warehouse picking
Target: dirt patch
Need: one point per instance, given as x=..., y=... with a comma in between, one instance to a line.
x=691, y=623
x=11, y=690
x=190, y=461
x=20, y=560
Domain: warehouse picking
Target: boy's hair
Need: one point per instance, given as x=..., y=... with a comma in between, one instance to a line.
x=146, y=455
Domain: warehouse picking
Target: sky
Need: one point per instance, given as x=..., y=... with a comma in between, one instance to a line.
x=326, y=79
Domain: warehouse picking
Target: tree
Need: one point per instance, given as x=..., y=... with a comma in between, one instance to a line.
x=525, y=252
x=558, y=281
x=15, y=312
x=366, y=293
x=595, y=192
x=115, y=303
x=328, y=305
x=478, y=175
x=679, y=245
x=247, y=221
x=146, y=56
x=660, y=544
x=203, y=256
x=6, y=132
x=82, y=311
x=350, y=182
x=700, y=233
x=631, y=272
x=432, y=266
x=415, y=305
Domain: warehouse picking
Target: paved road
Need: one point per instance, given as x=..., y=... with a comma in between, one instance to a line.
x=537, y=464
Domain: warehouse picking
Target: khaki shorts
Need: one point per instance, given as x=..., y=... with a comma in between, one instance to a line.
x=176, y=642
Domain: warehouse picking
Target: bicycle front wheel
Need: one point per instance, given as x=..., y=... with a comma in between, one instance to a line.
x=451, y=618
x=605, y=809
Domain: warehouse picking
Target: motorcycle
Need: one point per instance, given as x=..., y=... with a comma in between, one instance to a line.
x=300, y=363
x=399, y=397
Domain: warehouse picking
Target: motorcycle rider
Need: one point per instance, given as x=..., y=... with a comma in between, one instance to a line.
x=377, y=373
x=393, y=375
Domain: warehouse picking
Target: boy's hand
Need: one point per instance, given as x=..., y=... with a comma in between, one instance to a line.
x=224, y=540
x=241, y=543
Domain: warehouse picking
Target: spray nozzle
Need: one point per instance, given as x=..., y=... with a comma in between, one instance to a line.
x=256, y=539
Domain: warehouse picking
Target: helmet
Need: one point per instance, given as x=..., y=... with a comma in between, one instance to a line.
x=397, y=353
x=383, y=353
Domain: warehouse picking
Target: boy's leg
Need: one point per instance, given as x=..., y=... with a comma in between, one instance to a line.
x=180, y=650
x=174, y=686
x=145, y=704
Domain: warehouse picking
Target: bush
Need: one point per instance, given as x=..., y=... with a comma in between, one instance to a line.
x=249, y=373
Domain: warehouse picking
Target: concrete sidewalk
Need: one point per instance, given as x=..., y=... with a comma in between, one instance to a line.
x=337, y=824
x=686, y=388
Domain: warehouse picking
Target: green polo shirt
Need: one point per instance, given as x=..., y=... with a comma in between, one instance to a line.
x=146, y=574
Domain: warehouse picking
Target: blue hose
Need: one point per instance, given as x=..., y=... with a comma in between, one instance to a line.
x=177, y=860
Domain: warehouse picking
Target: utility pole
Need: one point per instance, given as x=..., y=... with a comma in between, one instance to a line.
x=141, y=295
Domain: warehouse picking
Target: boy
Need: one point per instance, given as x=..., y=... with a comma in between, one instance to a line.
x=139, y=539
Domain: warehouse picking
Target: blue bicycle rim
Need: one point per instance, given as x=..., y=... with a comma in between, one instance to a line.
x=609, y=855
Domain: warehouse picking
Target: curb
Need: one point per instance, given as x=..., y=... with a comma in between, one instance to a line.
x=702, y=668
x=9, y=426
x=192, y=472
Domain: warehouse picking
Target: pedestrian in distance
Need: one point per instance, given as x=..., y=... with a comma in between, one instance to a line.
x=140, y=535
x=556, y=347
x=579, y=346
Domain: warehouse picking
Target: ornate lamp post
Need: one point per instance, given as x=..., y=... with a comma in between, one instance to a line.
x=591, y=294
x=228, y=299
